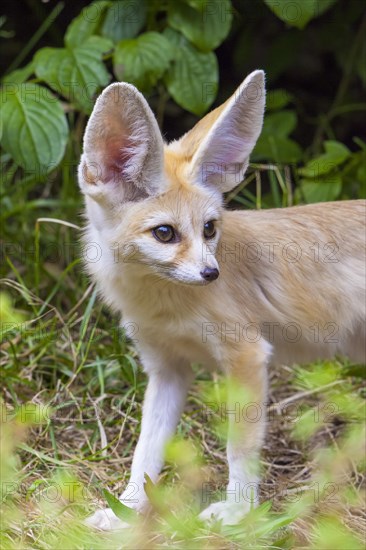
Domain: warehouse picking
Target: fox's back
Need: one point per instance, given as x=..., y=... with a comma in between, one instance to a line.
x=303, y=268
x=308, y=242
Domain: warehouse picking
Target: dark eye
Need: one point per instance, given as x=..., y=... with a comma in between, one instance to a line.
x=164, y=233
x=209, y=230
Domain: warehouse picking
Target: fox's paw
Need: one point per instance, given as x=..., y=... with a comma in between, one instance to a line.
x=229, y=513
x=105, y=520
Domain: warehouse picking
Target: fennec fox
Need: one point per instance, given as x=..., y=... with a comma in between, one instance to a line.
x=232, y=290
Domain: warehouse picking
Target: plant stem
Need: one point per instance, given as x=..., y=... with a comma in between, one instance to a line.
x=160, y=109
x=37, y=35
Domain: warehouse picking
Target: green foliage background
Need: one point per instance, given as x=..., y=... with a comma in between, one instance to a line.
x=61, y=352
x=312, y=51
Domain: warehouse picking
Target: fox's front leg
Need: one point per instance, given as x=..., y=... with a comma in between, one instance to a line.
x=164, y=401
x=247, y=381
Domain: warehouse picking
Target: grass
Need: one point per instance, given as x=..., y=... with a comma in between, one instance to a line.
x=72, y=390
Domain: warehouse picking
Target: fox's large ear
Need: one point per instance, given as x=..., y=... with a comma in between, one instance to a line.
x=123, y=147
x=220, y=144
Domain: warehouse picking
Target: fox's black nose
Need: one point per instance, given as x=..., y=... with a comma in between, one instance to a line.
x=210, y=274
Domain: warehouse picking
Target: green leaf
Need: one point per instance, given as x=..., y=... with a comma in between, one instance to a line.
x=335, y=154
x=85, y=24
x=277, y=149
x=273, y=143
x=298, y=13
x=149, y=486
x=87, y=315
x=35, y=130
x=337, y=149
x=19, y=75
x=326, y=189
x=279, y=124
x=197, y=4
x=206, y=26
x=124, y=19
x=143, y=60
x=192, y=80
x=8, y=313
x=277, y=99
x=75, y=73
x=122, y=511
x=359, y=371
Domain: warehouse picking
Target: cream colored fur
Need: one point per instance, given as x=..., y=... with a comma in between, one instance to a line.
x=291, y=286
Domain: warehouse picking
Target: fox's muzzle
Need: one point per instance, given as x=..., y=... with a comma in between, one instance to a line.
x=209, y=274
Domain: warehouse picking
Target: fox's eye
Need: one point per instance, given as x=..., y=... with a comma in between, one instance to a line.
x=164, y=233
x=209, y=230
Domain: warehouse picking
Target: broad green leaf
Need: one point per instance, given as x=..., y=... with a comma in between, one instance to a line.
x=192, y=80
x=206, y=26
x=277, y=149
x=19, y=75
x=337, y=149
x=34, y=127
x=335, y=154
x=325, y=189
x=143, y=60
x=75, y=73
x=277, y=99
x=298, y=13
x=8, y=314
x=124, y=19
x=122, y=511
x=279, y=124
x=273, y=143
x=85, y=24
x=197, y=4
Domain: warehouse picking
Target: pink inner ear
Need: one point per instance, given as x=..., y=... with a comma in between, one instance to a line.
x=117, y=154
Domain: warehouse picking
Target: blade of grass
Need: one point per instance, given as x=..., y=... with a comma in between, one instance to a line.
x=122, y=511
x=258, y=187
x=37, y=235
x=86, y=319
x=50, y=19
x=58, y=284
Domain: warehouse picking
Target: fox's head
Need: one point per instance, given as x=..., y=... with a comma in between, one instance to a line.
x=160, y=205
